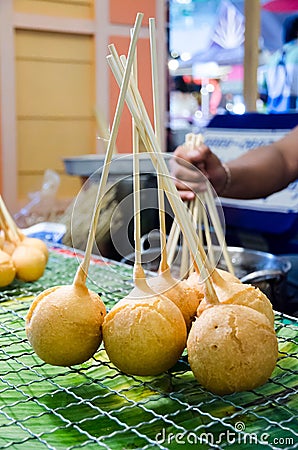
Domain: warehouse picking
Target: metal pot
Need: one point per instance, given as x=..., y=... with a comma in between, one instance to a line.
x=261, y=269
x=264, y=270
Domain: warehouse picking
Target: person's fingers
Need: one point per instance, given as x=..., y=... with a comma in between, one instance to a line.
x=187, y=195
x=197, y=186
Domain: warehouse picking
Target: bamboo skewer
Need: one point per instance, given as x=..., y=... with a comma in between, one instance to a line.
x=218, y=228
x=103, y=129
x=161, y=200
x=139, y=275
x=172, y=243
x=82, y=271
x=16, y=234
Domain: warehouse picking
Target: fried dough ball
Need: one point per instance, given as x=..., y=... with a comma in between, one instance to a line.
x=144, y=336
x=185, y=295
x=232, y=348
x=36, y=243
x=7, y=269
x=242, y=294
x=63, y=324
x=30, y=263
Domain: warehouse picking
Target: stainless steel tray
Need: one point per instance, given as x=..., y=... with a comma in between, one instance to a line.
x=121, y=164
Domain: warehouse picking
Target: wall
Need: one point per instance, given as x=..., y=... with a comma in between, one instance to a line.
x=54, y=76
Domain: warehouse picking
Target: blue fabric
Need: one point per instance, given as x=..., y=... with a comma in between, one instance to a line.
x=258, y=121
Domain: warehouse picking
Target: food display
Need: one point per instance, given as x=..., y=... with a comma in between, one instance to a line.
x=226, y=326
x=157, y=361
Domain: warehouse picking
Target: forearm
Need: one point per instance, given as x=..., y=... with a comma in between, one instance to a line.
x=258, y=173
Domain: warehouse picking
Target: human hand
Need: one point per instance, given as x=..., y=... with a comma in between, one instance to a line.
x=192, y=168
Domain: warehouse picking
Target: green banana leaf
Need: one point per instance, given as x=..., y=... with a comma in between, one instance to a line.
x=95, y=405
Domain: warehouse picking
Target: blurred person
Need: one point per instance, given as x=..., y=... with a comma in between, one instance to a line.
x=279, y=84
x=255, y=174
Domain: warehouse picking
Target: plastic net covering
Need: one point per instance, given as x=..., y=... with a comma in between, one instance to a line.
x=94, y=405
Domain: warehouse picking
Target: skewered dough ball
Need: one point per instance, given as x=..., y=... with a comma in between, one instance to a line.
x=30, y=263
x=144, y=336
x=63, y=324
x=7, y=269
x=242, y=294
x=36, y=243
x=232, y=348
x=185, y=295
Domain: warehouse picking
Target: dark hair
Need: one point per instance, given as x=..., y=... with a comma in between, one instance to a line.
x=290, y=28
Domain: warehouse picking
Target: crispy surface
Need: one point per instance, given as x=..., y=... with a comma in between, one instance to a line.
x=232, y=348
x=144, y=336
x=63, y=324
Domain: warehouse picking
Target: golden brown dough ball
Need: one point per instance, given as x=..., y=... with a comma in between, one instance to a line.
x=30, y=263
x=232, y=348
x=7, y=269
x=36, y=243
x=63, y=324
x=144, y=336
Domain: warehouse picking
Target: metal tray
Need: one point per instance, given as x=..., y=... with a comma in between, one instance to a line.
x=94, y=405
x=121, y=164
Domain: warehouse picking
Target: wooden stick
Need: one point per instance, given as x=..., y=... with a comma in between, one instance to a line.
x=139, y=274
x=82, y=271
x=172, y=243
x=184, y=264
x=218, y=228
x=209, y=243
x=157, y=126
x=16, y=234
x=103, y=129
